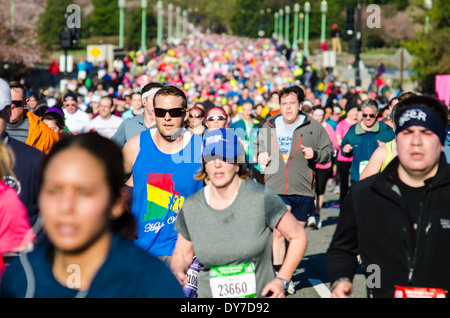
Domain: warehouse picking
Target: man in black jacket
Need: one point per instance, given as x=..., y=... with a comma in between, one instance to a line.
x=398, y=221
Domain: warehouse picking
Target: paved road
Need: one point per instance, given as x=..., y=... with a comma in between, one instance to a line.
x=311, y=278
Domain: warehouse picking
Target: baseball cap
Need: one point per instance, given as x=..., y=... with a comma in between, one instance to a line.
x=5, y=94
x=70, y=94
x=222, y=144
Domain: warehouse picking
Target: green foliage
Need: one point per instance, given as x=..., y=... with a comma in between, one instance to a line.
x=440, y=14
x=51, y=23
x=132, y=29
x=431, y=50
x=105, y=18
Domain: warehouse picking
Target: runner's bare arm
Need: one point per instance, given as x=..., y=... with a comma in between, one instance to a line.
x=130, y=152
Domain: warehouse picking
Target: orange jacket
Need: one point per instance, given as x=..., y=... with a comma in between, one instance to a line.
x=40, y=135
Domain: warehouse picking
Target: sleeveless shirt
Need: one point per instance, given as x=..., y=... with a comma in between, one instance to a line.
x=161, y=184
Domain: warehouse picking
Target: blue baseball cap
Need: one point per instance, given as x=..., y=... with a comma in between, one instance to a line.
x=222, y=144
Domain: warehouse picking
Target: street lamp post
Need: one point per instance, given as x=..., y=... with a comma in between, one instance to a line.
x=287, y=9
x=242, y=21
x=428, y=6
x=307, y=10
x=185, y=24
x=144, y=4
x=160, y=23
x=300, y=27
x=12, y=10
x=323, y=9
x=261, y=31
x=280, y=26
x=295, y=40
x=178, y=17
x=267, y=22
x=275, y=25
x=169, y=21
x=358, y=41
x=121, y=5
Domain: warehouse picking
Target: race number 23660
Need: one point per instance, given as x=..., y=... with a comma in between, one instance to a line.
x=233, y=281
x=232, y=289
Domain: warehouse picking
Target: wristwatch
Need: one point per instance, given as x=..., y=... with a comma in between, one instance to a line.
x=285, y=282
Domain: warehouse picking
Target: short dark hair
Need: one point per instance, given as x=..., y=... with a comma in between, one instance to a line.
x=17, y=85
x=171, y=91
x=297, y=90
x=422, y=100
x=55, y=117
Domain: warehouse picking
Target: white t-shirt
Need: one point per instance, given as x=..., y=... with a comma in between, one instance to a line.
x=106, y=128
x=285, y=134
x=78, y=122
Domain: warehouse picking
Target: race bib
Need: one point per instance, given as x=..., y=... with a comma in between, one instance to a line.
x=362, y=165
x=233, y=281
x=418, y=292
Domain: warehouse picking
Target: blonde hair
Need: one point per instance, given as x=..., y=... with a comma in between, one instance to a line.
x=7, y=160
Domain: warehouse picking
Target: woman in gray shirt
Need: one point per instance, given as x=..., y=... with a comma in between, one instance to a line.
x=229, y=225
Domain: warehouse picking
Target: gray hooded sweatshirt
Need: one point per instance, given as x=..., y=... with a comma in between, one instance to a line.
x=296, y=176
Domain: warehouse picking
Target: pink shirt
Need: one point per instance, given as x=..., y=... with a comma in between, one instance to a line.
x=15, y=229
x=334, y=141
x=341, y=129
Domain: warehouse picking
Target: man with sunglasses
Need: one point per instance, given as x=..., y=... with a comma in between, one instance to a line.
x=77, y=120
x=26, y=127
x=27, y=165
x=363, y=138
x=162, y=161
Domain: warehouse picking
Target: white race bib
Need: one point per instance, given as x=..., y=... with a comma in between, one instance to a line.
x=233, y=281
x=362, y=165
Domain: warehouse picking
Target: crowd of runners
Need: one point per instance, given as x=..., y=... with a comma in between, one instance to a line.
x=194, y=173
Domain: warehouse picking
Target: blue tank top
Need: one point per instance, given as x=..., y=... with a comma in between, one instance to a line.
x=161, y=184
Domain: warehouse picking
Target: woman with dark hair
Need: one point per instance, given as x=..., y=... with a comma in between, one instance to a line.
x=89, y=252
x=229, y=225
x=55, y=121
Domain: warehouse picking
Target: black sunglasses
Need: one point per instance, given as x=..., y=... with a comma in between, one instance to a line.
x=195, y=116
x=219, y=117
x=17, y=103
x=174, y=112
x=369, y=115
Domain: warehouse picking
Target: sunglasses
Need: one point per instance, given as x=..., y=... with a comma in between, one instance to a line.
x=213, y=118
x=195, y=116
x=174, y=112
x=369, y=115
x=17, y=103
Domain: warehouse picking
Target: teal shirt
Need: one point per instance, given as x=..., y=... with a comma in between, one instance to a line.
x=364, y=144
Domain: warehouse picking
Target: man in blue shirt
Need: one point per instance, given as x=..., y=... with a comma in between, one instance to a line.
x=163, y=161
